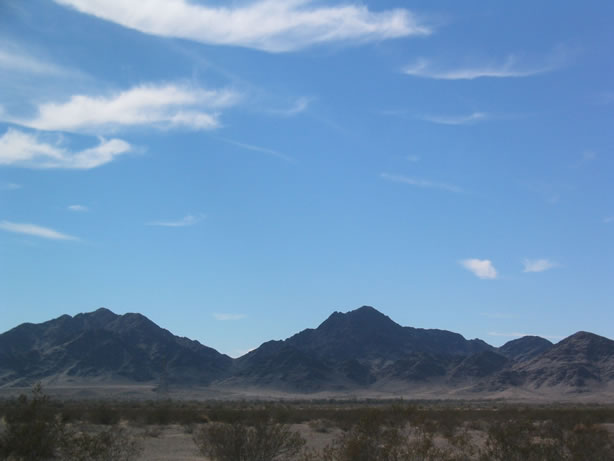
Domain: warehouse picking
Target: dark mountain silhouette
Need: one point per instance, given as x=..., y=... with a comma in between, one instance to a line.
x=355, y=349
x=103, y=345
x=578, y=361
x=524, y=348
x=360, y=349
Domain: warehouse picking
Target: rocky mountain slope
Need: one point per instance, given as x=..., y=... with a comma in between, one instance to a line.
x=106, y=346
x=360, y=349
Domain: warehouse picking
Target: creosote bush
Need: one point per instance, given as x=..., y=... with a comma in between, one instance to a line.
x=36, y=431
x=260, y=440
x=32, y=429
x=109, y=445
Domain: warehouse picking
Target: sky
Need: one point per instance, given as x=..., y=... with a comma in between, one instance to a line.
x=237, y=171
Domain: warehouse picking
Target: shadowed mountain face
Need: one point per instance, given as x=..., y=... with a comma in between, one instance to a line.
x=360, y=349
x=356, y=349
x=578, y=361
x=525, y=348
x=103, y=345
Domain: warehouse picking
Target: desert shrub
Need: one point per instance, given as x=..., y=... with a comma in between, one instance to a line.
x=263, y=440
x=521, y=440
x=377, y=437
x=36, y=431
x=589, y=443
x=369, y=440
x=104, y=414
x=112, y=444
x=32, y=429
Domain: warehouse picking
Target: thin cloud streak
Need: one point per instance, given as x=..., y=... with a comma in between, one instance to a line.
x=511, y=67
x=262, y=150
x=19, y=61
x=228, y=317
x=422, y=183
x=78, y=208
x=267, y=25
x=456, y=119
x=538, y=265
x=300, y=106
x=25, y=150
x=186, y=221
x=34, y=230
x=9, y=186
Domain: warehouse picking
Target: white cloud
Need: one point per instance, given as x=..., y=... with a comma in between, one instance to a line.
x=26, y=150
x=268, y=25
x=482, y=268
x=34, y=230
x=164, y=106
x=456, y=119
x=226, y=316
x=608, y=219
x=423, y=183
x=413, y=158
x=188, y=220
x=78, y=208
x=521, y=335
x=511, y=67
x=538, y=265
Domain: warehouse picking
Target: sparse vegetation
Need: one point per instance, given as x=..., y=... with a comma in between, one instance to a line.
x=38, y=428
x=259, y=440
x=36, y=431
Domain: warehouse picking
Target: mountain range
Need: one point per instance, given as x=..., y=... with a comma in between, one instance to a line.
x=359, y=350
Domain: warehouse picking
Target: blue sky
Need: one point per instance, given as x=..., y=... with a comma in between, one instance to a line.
x=236, y=171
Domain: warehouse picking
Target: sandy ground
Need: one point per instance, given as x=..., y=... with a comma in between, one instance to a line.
x=171, y=443
x=605, y=395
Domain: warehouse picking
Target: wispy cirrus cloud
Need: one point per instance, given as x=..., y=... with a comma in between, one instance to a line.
x=16, y=59
x=9, y=186
x=299, y=106
x=268, y=25
x=511, y=67
x=78, y=208
x=26, y=150
x=422, y=183
x=538, y=265
x=227, y=317
x=188, y=220
x=254, y=148
x=468, y=119
x=34, y=230
x=163, y=106
x=481, y=268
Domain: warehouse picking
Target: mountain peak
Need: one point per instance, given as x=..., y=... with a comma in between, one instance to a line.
x=363, y=317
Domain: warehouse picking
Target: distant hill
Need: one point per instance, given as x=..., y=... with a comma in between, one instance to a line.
x=358, y=350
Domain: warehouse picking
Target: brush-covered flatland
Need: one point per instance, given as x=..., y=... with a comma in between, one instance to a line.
x=37, y=427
